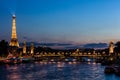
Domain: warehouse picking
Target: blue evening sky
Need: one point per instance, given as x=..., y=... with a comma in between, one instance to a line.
x=63, y=21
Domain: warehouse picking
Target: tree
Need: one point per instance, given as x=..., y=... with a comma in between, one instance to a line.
x=3, y=48
x=118, y=44
x=117, y=47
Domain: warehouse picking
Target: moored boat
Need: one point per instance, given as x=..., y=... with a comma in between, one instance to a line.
x=27, y=60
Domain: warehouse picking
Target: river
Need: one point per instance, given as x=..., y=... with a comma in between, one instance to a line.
x=55, y=71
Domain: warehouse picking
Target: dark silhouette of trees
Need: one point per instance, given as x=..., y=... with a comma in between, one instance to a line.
x=117, y=47
x=118, y=44
x=3, y=48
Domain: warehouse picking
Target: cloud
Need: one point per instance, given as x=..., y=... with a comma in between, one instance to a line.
x=70, y=46
x=90, y=45
x=52, y=45
x=74, y=46
x=96, y=45
x=56, y=44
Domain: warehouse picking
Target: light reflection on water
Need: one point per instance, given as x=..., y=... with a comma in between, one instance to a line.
x=55, y=71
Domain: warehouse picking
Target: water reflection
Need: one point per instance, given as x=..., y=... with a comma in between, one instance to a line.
x=55, y=71
x=60, y=64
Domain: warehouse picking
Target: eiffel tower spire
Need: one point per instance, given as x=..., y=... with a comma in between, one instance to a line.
x=14, y=40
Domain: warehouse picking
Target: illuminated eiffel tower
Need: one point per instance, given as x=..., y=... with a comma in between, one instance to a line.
x=14, y=40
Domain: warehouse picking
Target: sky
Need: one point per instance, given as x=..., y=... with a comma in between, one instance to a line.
x=61, y=21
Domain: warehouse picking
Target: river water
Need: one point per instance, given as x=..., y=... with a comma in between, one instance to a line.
x=55, y=71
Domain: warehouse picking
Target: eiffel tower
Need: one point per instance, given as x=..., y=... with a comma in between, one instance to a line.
x=14, y=40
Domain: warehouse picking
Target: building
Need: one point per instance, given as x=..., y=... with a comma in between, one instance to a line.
x=32, y=48
x=24, y=47
x=14, y=40
x=111, y=47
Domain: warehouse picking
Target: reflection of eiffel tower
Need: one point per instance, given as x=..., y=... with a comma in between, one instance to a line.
x=14, y=40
